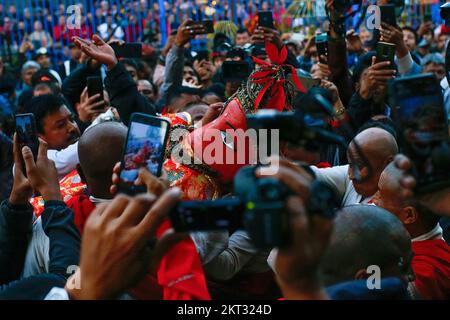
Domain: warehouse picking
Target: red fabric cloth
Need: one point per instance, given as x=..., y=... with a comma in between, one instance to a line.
x=431, y=264
x=70, y=186
x=323, y=165
x=180, y=271
x=82, y=208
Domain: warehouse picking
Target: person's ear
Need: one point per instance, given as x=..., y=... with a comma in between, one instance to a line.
x=361, y=274
x=81, y=174
x=408, y=215
x=77, y=107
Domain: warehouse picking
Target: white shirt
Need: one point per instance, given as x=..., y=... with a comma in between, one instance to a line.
x=434, y=234
x=337, y=178
x=66, y=160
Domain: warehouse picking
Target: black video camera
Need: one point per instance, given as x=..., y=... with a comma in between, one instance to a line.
x=304, y=127
x=259, y=207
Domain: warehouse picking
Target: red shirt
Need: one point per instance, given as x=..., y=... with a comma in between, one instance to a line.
x=431, y=264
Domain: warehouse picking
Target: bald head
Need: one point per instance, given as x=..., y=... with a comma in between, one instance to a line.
x=417, y=218
x=99, y=149
x=377, y=143
x=377, y=148
x=364, y=236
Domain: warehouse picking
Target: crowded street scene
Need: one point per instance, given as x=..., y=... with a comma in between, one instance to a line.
x=259, y=150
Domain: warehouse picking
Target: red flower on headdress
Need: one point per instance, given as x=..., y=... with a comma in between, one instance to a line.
x=271, y=76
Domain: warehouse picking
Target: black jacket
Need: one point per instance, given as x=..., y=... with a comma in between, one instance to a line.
x=74, y=84
x=124, y=95
x=6, y=165
x=58, y=224
x=15, y=225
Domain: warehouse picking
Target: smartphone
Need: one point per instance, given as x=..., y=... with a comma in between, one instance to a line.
x=423, y=130
x=174, y=28
x=308, y=82
x=207, y=24
x=265, y=19
x=235, y=71
x=145, y=147
x=202, y=55
x=388, y=15
x=27, y=134
x=385, y=52
x=322, y=46
x=208, y=215
x=95, y=86
x=128, y=50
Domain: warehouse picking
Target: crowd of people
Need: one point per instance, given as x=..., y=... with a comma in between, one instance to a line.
x=66, y=232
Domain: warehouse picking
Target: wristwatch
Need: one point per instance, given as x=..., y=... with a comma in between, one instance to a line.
x=340, y=112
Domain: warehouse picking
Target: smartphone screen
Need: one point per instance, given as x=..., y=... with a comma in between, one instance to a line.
x=95, y=86
x=209, y=215
x=208, y=25
x=423, y=127
x=322, y=46
x=385, y=52
x=128, y=50
x=266, y=19
x=388, y=14
x=308, y=82
x=27, y=134
x=145, y=147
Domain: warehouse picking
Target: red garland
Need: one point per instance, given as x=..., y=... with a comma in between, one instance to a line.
x=267, y=77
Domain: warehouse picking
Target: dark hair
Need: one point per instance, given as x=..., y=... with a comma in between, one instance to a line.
x=416, y=36
x=242, y=30
x=154, y=87
x=54, y=88
x=364, y=62
x=217, y=89
x=384, y=123
x=190, y=64
x=43, y=106
x=130, y=62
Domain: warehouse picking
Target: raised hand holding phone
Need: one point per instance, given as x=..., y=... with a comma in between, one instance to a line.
x=265, y=19
x=144, y=148
x=22, y=189
x=90, y=106
x=386, y=52
x=26, y=134
x=187, y=31
x=42, y=173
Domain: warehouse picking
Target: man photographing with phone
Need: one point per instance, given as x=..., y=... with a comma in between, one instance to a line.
x=56, y=125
